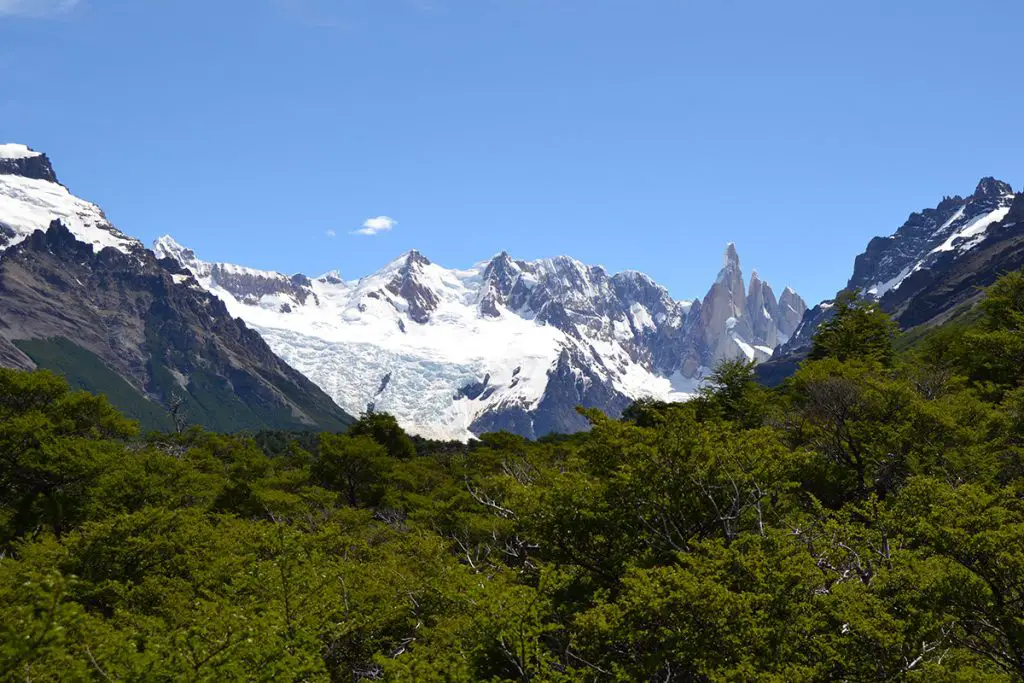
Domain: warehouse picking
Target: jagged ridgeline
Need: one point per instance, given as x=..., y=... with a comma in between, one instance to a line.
x=81, y=298
x=933, y=268
x=415, y=339
x=504, y=345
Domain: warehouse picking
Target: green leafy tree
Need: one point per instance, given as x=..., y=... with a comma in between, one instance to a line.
x=54, y=446
x=352, y=465
x=385, y=430
x=858, y=329
x=863, y=422
x=992, y=351
x=732, y=392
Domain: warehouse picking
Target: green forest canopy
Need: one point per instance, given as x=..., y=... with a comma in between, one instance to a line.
x=863, y=522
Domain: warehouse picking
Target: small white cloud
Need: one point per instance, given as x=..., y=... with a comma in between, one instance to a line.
x=330, y=233
x=36, y=9
x=374, y=225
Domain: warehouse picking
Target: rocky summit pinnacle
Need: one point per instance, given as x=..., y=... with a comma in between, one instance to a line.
x=732, y=257
x=990, y=187
x=738, y=322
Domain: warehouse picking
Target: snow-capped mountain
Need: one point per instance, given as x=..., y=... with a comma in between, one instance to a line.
x=933, y=263
x=79, y=297
x=31, y=197
x=957, y=225
x=505, y=344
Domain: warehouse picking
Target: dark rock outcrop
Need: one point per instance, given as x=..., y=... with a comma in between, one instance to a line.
x=936, y=262
x=154, y=327
x=37, y=167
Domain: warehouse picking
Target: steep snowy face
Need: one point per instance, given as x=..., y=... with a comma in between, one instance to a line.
x=955, y=225
x=250, y=286
x=505, y=344
x=31, y=198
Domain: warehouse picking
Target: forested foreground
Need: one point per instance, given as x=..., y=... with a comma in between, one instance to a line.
x=864, y=522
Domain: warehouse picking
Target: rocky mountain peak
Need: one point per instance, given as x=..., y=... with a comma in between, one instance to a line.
x=956, y=224
x=990, y=187
x=755, y=282
x=790, y=312
x=761, y=311
x=732, y=257
x=31, y=198
x=23, y=161
x=501, y=272
x=415, y=258
x=332, y=277
x=730, y=276
x=166, y=246
x=723, y=314
x=408, y=284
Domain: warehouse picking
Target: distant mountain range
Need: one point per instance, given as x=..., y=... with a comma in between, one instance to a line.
x=505, y=344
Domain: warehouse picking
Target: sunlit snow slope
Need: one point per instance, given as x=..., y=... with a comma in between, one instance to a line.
x=505, y=344
x=31, y=198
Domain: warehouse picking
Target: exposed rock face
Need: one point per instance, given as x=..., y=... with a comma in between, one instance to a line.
x=408, y=285
x=762, y=311
x=790, y=312
x=507, y=344
x=929, y=295
x=150, y=323
x=723, y=316
x=246, y=283
x=82, y=298
x=933, y=263
x=739, y=322
x=27, y=164
x=956, y=224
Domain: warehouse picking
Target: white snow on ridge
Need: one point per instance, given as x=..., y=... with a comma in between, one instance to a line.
x=879, y=289
x=349, y=342
x=962, y=239
x=356, y=341
x=28, y=204
x=641, y=317
x=966, y=238
x=15, y=151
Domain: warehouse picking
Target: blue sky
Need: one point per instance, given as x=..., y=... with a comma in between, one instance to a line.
x=640, y=134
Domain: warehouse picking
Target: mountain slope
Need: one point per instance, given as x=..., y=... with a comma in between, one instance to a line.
x=82, y=298
x=506, y=344
x=935, y=262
